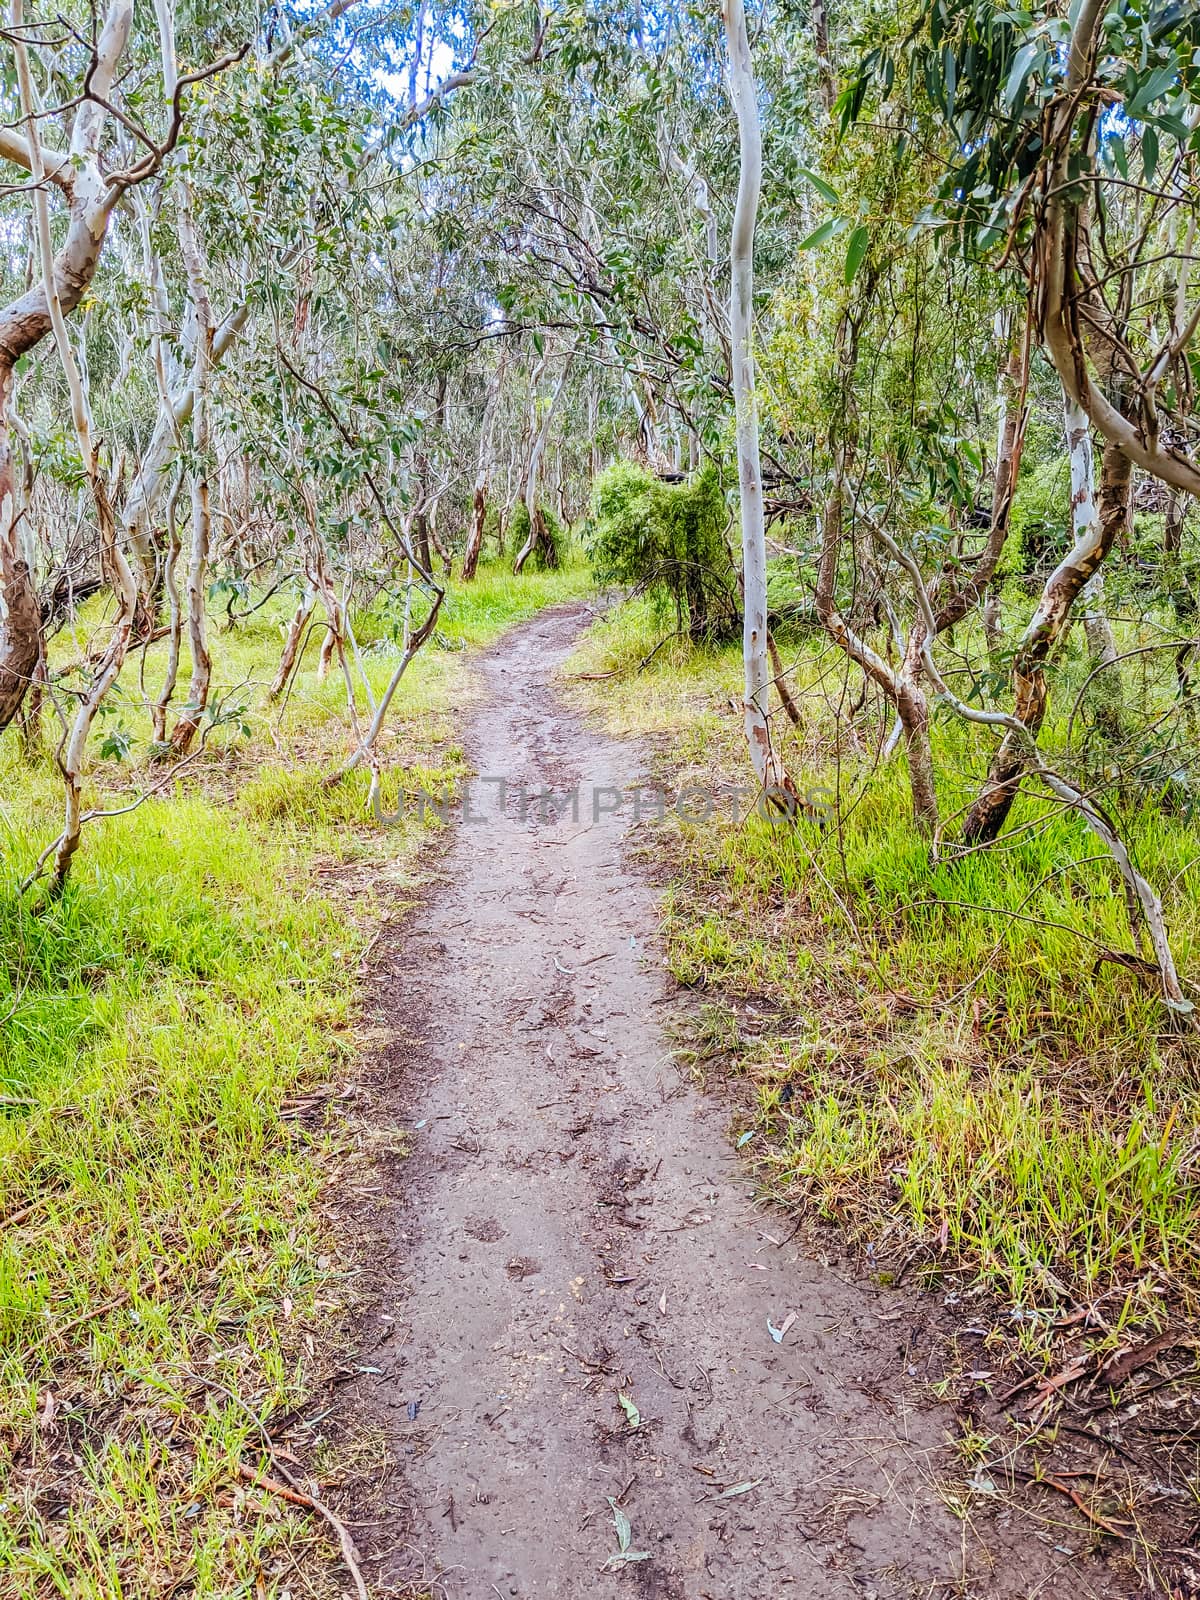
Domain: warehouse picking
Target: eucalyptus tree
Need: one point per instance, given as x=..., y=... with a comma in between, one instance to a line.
x=1041, y=114
x=768, y=768
x=247, y=183
x=68, y=154
x=125, y=77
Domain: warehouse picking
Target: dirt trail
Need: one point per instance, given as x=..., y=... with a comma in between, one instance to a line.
x=571, y=1225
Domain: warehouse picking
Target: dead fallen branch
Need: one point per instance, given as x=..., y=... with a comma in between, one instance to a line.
x=297, y=1497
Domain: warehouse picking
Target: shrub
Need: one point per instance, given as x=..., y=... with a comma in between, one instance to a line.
x=667, y=540
x=554, y=532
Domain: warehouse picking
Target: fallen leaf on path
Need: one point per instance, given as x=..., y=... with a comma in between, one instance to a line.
x=739, y=1488
x=632, y=1415
x=1124, y=1363
x=662, y=1302
x=624, y=1540
x=1060, y=1380
x=778, y=1334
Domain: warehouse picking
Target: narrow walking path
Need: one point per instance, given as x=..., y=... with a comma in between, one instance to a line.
x=572, y=1227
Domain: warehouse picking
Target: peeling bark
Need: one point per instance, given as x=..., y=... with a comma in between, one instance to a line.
x=1093, y=540
x=483, y=472
x=158, y=712
x=291, y=644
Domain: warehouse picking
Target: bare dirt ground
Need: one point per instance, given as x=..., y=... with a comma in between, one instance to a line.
x=571, y=1227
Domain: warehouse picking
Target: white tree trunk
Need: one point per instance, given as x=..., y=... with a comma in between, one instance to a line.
x=767, y=766
x=534, y=471
x=1085, y=525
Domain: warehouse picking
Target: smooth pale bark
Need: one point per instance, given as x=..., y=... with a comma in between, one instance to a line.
x=1082, y=459
x=176, y=405
x=27, y=320
x=1097, y=629
x=768, y=768
x=197, y=620
x=196, y=268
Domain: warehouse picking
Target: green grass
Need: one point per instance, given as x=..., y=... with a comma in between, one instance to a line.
x=935, y=1056
x=166, y=1273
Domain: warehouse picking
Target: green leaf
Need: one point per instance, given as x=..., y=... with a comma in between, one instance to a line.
x=745, y=1138
x=632, y=1415
x=1149, y=154
x=1022, y=66
x=825, y=190
x=622, y=1525
x=1146, y=93
x=819, y=235
x=624, y=1554
x=949, y=80
x=856, y=251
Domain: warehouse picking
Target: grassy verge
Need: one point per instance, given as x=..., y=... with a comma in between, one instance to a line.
x=173, y=1026
x=939, y=1058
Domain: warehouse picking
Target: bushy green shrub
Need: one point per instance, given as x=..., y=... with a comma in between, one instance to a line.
x=667, y=540
x=558, y=536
